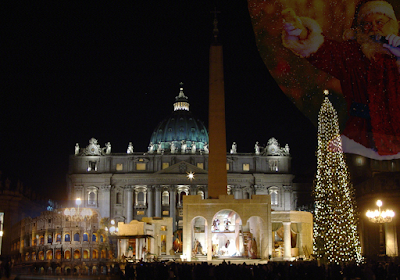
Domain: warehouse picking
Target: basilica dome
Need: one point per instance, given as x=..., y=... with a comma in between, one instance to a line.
x=180, y=130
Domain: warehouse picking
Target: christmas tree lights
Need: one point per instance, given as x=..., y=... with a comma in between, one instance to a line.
x=336, y=238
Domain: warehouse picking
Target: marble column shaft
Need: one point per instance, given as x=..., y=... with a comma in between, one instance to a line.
x=129, y=204
x=287, y=241
x=158, y=201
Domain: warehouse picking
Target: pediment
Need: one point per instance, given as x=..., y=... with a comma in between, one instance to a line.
x=182, y=168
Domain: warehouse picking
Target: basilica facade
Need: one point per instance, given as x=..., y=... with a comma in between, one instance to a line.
x=130, y=185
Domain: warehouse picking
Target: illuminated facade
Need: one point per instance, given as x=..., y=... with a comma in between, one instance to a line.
x=132, y=185
x=57, y=242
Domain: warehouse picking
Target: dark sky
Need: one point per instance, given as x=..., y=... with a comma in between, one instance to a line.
x=75, y=70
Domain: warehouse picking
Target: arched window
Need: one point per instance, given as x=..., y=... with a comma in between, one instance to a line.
x=94, y=237
x=76, y=237
x=85, y=237
x=58, y=238
x=67, y=254
x=50, y=238
x=86, y=254
x=119, y=198
x=41, y=255
x=58, y=255
x=95, y=254
x=33, y=256
x=273, y=192
x=91, y=198
x=41, y=240
x=67, y=237
x=165, y=198
x=49, y=255
x=77, y=254
x=102, y=239
x=103, y=254
x=141, y=198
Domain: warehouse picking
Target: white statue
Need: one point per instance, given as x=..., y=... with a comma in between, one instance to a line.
x=285, y=150
x=206, y=151
x=173, y=147
x=159, y=149
x=130, y=148
x=234, y=147
x=151, y=148
x=76, y=149
x=108, y=148
x=257, y=148
x=183, y=147
x=193, y=148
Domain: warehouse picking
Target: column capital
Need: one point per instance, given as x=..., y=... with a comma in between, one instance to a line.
x=288, y=188
x=172, y=189
x=129, y=188
x=105, y=187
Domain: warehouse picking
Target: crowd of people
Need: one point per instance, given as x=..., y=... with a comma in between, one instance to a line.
x=272, y=270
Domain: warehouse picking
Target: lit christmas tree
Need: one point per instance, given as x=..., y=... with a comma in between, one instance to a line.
x=336, y=238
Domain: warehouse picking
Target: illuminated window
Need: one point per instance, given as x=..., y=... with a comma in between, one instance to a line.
x=273, y=165
x=41, y=240
x=67, y=237
x=49, y=255
x=163, y=228
x=76, y=237
x=273, y=192
x=58, y=239
x=246, y=167
x=85, y=237
x=91, y=198
x=86, y=254
x=92, y=166
x=58, y=255
x=41, y=255
x=119, y=167
x=227, y=166
x=140, y=213
x=77, y=254
x=200, y=165
x=165, y=165
x=103, y=254
x=95, y=254
x=94, y=237
x=165, y=198
x=49, y=238
x=140, y=166
x=165, y=213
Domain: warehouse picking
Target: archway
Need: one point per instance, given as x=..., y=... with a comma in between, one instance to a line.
x=199, y=236
x=253, y=232
x=226, y=234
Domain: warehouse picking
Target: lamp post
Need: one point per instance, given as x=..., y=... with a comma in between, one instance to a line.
x=112, y=232
x=380, y=217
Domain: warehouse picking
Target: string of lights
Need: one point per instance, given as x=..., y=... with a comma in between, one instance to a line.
x=336, y=238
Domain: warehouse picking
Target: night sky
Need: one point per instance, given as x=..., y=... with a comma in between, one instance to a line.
x=73, y=71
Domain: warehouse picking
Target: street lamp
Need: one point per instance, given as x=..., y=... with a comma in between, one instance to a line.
x=379, y=216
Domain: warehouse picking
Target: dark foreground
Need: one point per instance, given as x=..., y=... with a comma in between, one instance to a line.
x=229, y=271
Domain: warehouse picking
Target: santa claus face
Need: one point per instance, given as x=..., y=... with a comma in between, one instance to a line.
x=377, y=24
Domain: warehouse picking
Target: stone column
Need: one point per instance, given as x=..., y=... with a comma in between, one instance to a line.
x=193, y=190
x=105, y=207
x=129, y=204
x=157, y=201
x=287, y=246
x=237, y=192
x=288, y=197
x=150, y=206
x=172, y=205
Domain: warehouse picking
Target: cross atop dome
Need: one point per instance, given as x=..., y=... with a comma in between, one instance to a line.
x=181, y=100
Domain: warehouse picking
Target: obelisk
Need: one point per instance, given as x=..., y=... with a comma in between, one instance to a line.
x=217, y=174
